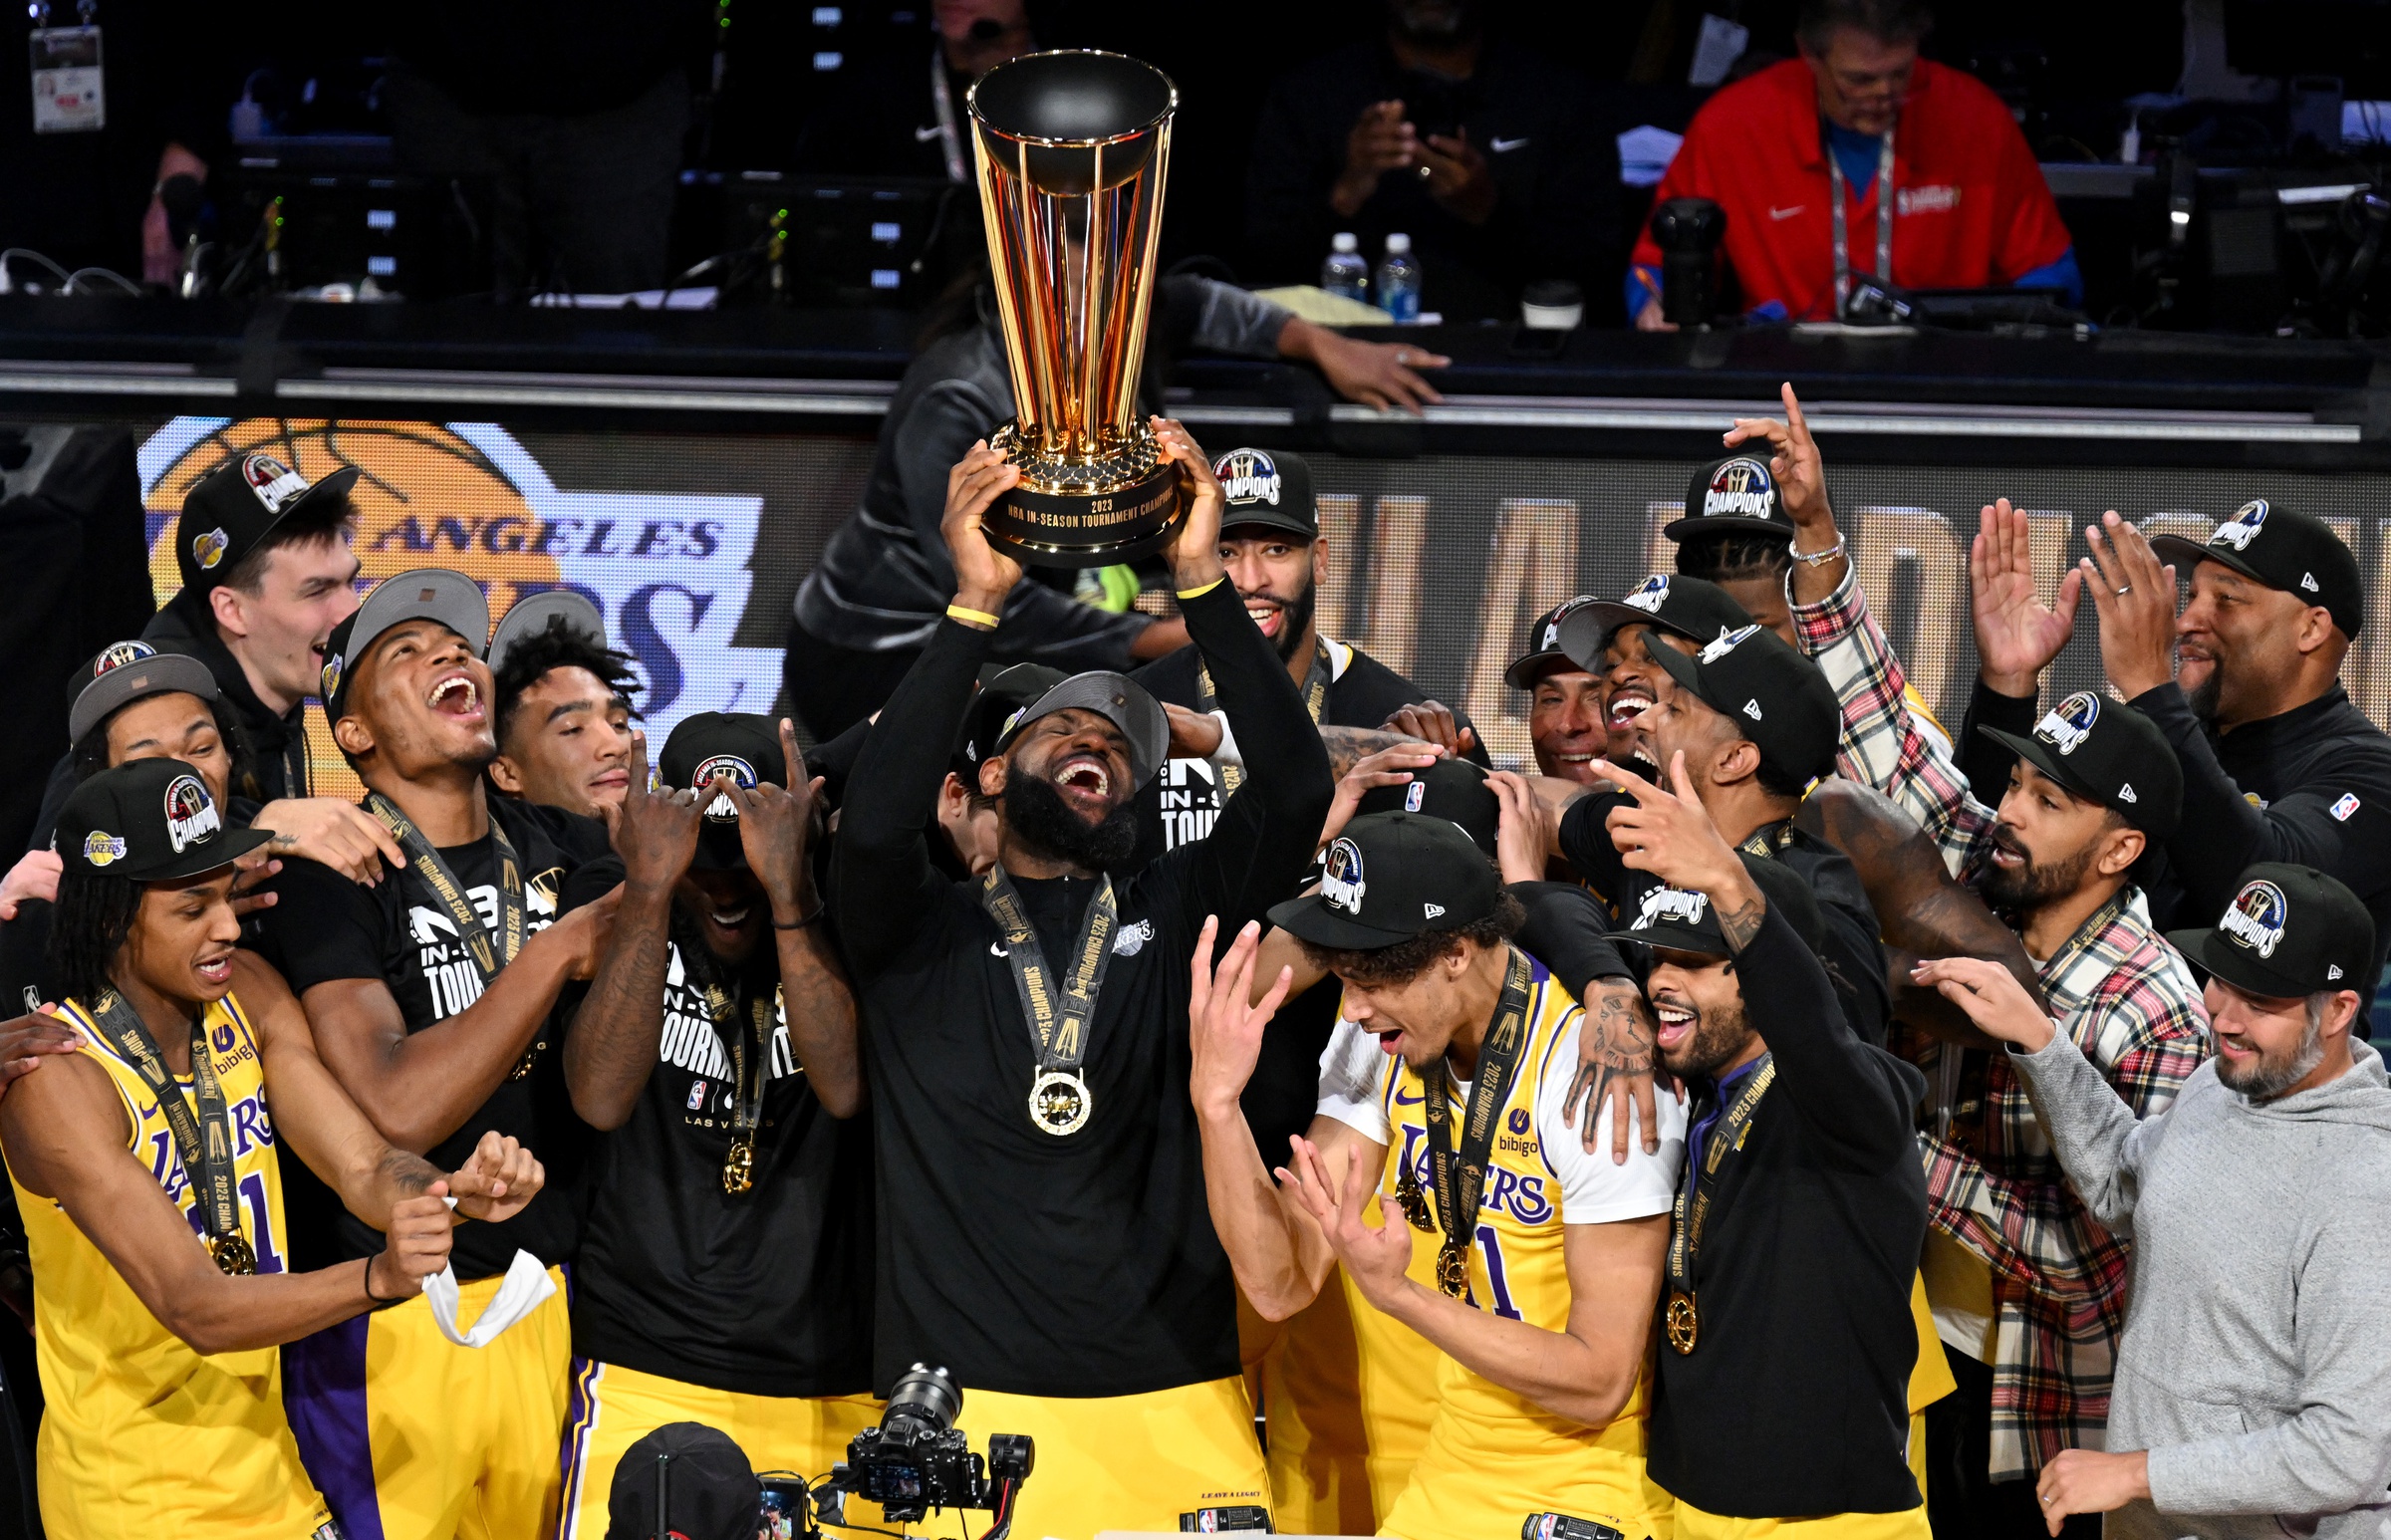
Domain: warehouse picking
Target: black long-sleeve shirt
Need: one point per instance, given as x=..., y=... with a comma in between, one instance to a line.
x=1794, y=1401
x=1084, y=1265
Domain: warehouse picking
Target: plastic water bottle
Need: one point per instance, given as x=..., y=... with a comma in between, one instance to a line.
x=1347, y=271
x=1398, y=280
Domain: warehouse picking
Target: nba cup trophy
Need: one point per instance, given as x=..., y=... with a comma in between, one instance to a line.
x=1072, y=151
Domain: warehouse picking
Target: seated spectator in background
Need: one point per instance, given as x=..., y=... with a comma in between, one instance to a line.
x=1785, y=150
x=1478, y=149
x=867, y=610
x=2254, y=1385
x=561, y=702
x=904, y=113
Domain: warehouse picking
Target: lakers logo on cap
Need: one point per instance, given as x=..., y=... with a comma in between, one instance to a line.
x=1247, y=476
x=102, y=849
x=2255, y=918
x=329, y=681
x=2068, y=724
x=122, y=654
x=1741, y=488
x=1650, y=594
x=725, y=808
x=2243, y=527
x=274, y=482
x=208, y=549
x=190, y=812
x=1342, y=885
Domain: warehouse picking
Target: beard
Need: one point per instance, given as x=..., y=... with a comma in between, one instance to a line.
x=2275, y=1073
x=1718, y=1035
x=2205, y=696
x=1036, y=815
x=2034, y=884
x=1294, y=619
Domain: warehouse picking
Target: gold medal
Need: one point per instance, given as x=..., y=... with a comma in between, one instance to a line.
x=232, y=1254
x=1414, y=1201
x=1059, y=1103
x=1453, y=1270
x=738, y=1169
x=1681, y=1322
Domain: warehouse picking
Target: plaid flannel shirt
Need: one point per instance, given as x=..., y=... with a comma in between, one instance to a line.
x=2128, y=1000
x=1889, y=742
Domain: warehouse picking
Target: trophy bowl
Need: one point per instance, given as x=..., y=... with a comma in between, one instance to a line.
x=1072, y=149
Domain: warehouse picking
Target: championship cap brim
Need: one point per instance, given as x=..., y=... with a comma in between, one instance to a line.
x=2186, y=554
x=1308, y=919
x=225, y=849
x=2239, y=967
x=530, y=616
x=1668, y=935
x=1587, y=631
x=2044, y=758
x=1117, y=698
x=158, y=674
x=1685, y=671
x=1524, y=672
x=333, y=488
x=425, y=594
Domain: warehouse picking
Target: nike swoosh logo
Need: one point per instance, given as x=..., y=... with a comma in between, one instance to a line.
x=1786, y=213
x=1504, y=146
x=1408, y=1101
x=924, y=135
x=995, y=950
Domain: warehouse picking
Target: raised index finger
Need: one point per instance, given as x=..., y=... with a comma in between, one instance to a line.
x=1795, y=423
x=1628, y=781
x=638, y=762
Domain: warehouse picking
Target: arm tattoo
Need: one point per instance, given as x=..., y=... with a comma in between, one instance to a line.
x=411, y=1173
x=1740, y=923
x=1347, y=746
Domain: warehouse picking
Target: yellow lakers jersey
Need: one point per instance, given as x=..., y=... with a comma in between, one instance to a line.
x=142, y=1436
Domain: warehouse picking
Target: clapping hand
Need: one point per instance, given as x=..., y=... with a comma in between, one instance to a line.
x=1224, y=1032
x=2017, y=635
x=2135, y=594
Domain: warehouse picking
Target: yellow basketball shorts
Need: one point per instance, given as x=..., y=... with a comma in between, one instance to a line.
x=412, y=1437
x=614, y=1407
x=1908, y=1524
x=1120, y=1461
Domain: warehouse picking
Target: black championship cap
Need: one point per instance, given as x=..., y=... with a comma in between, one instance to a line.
x=710, y=1490
x=1120, y=701
x=1692, y=608
x=2296, y=552
x=1450, y=789
x=151, y=820
x=1268, y=487
x=721, y=743
x=1388, y=877
x=1733, y=494
x=233, y=507
x=2291, y=931
x=1002, y=692
x=425, y=594
x=1680, y=921
x=532, y=614
x=125, y=672
x=1545, y=645
x=2106, y=753
x=1778, y=697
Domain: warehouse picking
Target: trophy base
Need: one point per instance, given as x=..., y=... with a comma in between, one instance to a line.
x=1088, y=522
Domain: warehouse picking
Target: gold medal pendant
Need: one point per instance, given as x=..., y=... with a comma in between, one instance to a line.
x=1681, y=1322
x=1453, y=1270
x=1059, y=1102
x=232, y=1254
x=738, y=1167
x=1414, y=1201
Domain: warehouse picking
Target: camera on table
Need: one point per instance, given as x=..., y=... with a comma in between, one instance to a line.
x=916, y=1459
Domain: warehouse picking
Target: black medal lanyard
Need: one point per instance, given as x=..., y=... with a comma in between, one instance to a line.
x=204, y=1143
x=424, y=863
x=1884, y=218
x=747, y=1044
x=941, y=97
x=1315, y=698
x=1681, y=1321
x=1460, y=1178
x=1059, y=1099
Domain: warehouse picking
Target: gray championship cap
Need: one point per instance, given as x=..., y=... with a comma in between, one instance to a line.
x=127, y=672
x=531, y=615
x=425, y=594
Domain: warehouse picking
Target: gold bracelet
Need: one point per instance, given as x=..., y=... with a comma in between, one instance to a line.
x=1198, y=593
x=982, y=617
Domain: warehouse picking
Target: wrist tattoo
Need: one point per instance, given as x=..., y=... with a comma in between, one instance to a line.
x=1740, y=923
x=1349, y=746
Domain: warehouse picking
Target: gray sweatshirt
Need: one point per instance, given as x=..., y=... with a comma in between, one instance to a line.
x=2256, y=1365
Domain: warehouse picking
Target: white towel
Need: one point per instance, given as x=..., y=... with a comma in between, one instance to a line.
x=526, y=1288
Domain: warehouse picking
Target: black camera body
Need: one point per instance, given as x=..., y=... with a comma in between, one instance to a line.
x=916, y=1459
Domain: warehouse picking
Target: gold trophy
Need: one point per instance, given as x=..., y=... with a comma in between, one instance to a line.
x=1073, y=149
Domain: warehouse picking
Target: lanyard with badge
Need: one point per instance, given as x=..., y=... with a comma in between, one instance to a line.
x=941, y=97
x=1681, y=1318
x=424, y=863
x=1059, y=1099
x=69, y=95
x=1461, y=1175
x=748, y=1042
x=1316, y=699
x=1884, y=218
x=203, y=1142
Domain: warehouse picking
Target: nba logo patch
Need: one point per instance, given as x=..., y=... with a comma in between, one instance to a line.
x=697, y=1095
x=1411, y=795
x=2347, y=806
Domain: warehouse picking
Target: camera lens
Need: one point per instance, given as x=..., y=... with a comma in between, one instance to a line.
x=923, y=1399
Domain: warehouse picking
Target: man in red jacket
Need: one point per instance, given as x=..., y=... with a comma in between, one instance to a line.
x=1861, y=159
